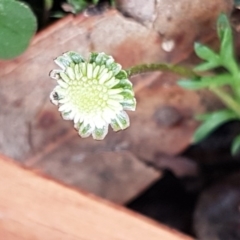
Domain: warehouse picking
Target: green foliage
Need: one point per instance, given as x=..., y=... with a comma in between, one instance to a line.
x=212, y=121
x=206, y=82
x=78, y=5
x=18, y=23
x=225, y=84
x=17, y=26
x=48, y=4
x=235, y=145
x=206, y=53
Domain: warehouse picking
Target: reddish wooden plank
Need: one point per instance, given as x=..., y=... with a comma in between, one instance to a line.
x=35, y=208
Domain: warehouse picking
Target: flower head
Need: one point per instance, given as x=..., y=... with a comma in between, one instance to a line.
x=93, y=93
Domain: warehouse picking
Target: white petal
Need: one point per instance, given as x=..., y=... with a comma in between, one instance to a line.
x=100, y=133
x=123, y=120
x=60, y=91
x=60, y=64
x=66, y=116
x=55, y=74
x=72, y=114
x=83, y=68
x=87, y=120
x=64, y=100
x=117, y=69
x=117, y=97
x=65, y=77
x=114, y=91
x=112, y=82
x=101, y=69
x=115, y=126
x=77, y=71
x=85, y=130
x=104, y=78
x=81, y=118
x=67, y=57
x=53, y=99
x=70, y=73
x=115, y=105
x=99, y=57
x=62, y=83
x=103, y=75
x=110, y=61
x=95, y=71
x=65, y=108
x=99, y=121
x=129, y=104
x=89, y=70
x=76, y=117
x=108, y=114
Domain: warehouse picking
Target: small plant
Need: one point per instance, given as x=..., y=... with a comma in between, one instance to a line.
x=105, y=73
x=17, y=26
x=224, y=84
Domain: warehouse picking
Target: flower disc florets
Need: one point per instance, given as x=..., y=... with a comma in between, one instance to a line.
x=93, y=93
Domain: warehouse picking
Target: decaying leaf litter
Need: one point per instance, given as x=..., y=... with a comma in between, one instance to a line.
x=34, y=133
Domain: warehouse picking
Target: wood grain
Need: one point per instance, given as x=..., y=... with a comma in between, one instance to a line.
x=36, y=208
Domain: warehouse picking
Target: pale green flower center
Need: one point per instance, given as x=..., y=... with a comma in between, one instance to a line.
x=88, y=96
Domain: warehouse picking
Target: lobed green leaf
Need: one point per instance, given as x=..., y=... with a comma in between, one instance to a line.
x=223, y=26
x=206, y=53
x=205, y=66
x=17, y=26
x=211, y=122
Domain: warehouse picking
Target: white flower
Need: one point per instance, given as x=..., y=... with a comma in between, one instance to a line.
x=93, y=93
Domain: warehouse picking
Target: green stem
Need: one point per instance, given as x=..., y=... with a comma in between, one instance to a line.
x=232, y=67
x=227, y=100
x=144, y=68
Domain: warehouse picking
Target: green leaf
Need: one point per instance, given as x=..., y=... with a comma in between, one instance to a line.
x=211, y=122
x=227, y=48
x=78, y=5
x=48, y=4
x=205, y=66
x=212, y=115
x=206, y=53
x=223, y=26
x=203, y=117
x=95, y=2
x=218, y=80
x=235, y=148
x=193, y=85
x=17, y=26
x=205, y=82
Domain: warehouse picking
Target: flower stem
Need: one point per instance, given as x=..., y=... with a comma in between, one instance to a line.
x=227, y=100
x=144, y=68
x=185, y=72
